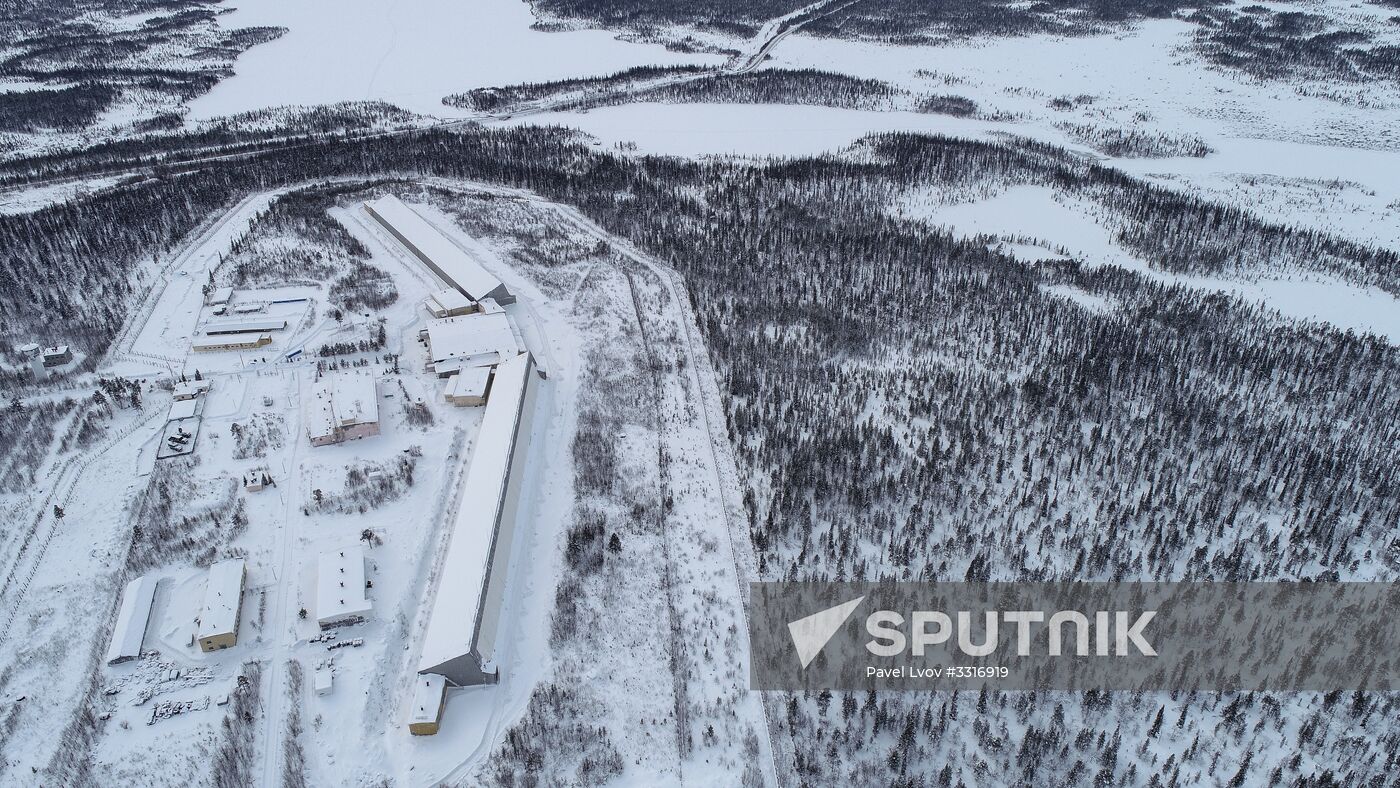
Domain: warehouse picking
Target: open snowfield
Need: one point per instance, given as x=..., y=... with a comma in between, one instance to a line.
x=409, y=54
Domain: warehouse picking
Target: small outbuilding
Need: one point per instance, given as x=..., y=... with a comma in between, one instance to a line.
x=189, y=389
x=323, y=680
x=429, y=696
x=223, y=603
x=219, y=296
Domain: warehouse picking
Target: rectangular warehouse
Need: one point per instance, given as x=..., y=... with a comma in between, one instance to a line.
x=437, y=251
x=135, y=613
x=340, y=586
x=223, y=603
x=460, y=642
x=342, y=407
x=242, y=341
x=477, y=340
x=243, y=327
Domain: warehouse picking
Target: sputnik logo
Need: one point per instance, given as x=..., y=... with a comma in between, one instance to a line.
x=811, y=634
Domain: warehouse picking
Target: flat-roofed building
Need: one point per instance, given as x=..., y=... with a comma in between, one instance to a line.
x=468, y=387
x=189, y=389
x=341, y=407
x=223, y=604
x=460, y=639
x=438, y=252
x=244, y=341
x=449, y=302
x=57, y=356
x=244, y=326
x=429, y=694
x=340, y=586
x=479, y=340
x=219, y=295
x=132, y=618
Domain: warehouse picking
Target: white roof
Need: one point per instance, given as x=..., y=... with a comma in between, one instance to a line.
x=190, y=388
x=452, y=623
x=469, y=382
x=183, y=409
x=450, y=299
x=427, y=697
x=434, y=248
x=220, y=295
x=28, y=347
x=223, y=340
x=340, y=584
x=239, y=326
x=476, y=340
x=135, y=613
x=341, y=400
x=222, y=596
x=56, y=350
x=324, y=679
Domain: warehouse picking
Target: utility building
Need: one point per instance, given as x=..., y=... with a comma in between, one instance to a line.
x=479, y=340
x=243, y=326
x=223, y=603
x=438, y=252
x=468, y=387
x=340, y=586
x=342, y=407
x=449, y=302
x=132, y=618
x=243, y=341
x=460, y=640
x=429, y=692
x=57, y=356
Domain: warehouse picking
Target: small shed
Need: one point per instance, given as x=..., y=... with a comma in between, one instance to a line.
x=429, y=696
x=323, y=680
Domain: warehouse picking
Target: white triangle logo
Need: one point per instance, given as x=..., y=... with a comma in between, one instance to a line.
x=811, y=634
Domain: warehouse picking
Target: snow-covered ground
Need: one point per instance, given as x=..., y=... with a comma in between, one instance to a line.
x=1058, y=226
x=409, y=54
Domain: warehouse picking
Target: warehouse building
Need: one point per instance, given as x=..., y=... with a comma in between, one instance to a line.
x=248, y=341
x=219, y=296
x=438, y=252
x=449, y=303
x=342, y=407
x=468, y=387
x=223, y=603
x=132, y=619
x=340, y=587
x=460, y=640
x=480, y=340
x=243, y=326
x=429, y=694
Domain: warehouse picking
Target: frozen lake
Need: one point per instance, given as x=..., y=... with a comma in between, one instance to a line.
x=408, y=53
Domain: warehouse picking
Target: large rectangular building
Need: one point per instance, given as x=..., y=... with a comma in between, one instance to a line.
x=242, y=341
x=438, y=252
x=135, y=613
x=342, y=407
x=223, y=604
x=479, y=340
x=460, y=641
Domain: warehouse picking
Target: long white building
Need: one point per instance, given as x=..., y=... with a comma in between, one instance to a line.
x=135, y=613
x=460, y=642
x=223, y=604
x=437, y=251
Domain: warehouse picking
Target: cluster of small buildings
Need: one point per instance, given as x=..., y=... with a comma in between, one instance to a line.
x=43, y=359
x=341, y=407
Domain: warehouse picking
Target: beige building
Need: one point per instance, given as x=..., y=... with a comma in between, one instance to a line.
x=429, y=696
x=248, y=341
x=342, y=407
x=449, y=303
x=468, y=387
x=223, y=603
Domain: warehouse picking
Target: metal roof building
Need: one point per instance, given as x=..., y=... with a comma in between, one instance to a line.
x=130, y=630
x=437, y=251
x=460, y=641
x=243, y=326
x=477, y=340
